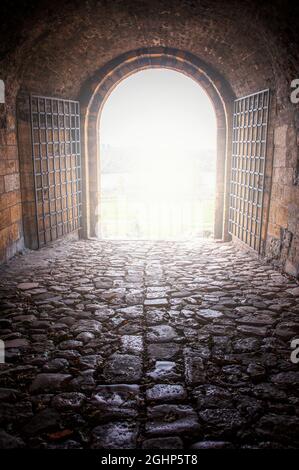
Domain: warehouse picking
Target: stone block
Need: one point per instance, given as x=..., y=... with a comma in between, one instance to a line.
x=16, y=213
x=5, y=218
x=12, y=182
x=292, y=268
x=279, y=157
x=280, y=136
x=2, y=184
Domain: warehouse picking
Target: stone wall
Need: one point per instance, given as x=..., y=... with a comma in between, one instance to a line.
x=283, y=229
x=11, y=233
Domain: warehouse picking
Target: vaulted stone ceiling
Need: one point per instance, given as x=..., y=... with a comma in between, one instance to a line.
x=55, y=47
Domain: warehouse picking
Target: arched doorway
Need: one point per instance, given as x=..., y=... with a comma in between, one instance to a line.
x=157, y=139
x=95, y=94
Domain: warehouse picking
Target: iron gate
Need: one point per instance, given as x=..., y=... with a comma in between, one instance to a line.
x=249, y=146
x=55, y=127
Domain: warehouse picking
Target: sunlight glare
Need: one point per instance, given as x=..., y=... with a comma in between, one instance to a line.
x=158, y=152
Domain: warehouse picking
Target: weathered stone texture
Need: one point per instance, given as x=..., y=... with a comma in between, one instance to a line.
x=212, y=370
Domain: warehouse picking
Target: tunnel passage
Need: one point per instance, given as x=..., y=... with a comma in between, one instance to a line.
x=148, y=345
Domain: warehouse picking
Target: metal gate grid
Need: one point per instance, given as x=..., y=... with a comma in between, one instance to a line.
x=249, y=146
x=55, y=126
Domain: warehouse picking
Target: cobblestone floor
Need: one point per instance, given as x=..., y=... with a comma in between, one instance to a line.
x=147, y=344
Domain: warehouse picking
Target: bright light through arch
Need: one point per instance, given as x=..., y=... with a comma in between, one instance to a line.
x=157, y=158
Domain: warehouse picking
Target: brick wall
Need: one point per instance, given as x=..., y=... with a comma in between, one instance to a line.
x=11, y=233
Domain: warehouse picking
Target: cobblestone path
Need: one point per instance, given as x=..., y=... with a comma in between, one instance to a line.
x=163, y=345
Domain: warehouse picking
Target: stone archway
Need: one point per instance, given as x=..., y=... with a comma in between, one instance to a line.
x=95, y=93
